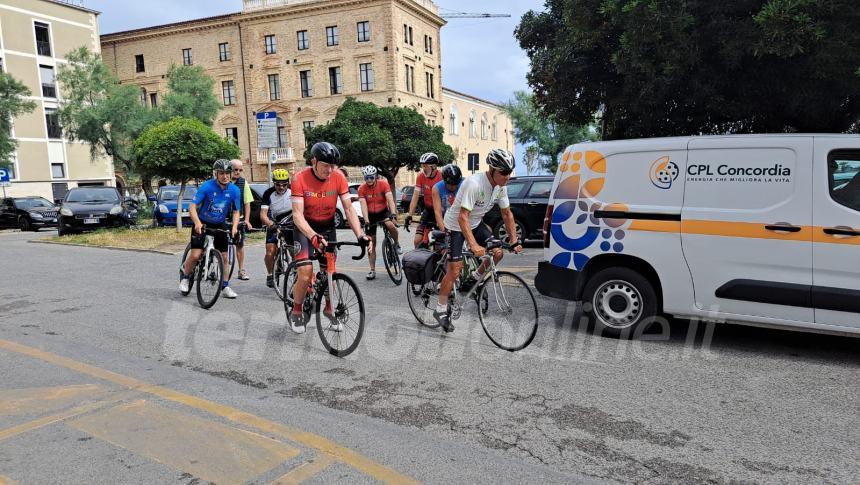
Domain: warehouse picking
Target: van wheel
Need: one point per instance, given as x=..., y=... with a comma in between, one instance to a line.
x=620, y=302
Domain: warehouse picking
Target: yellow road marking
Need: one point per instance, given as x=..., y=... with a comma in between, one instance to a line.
x=342, y=453
x=305, y=471
x=55, y=418
x=209, y=450
x=4, y=480
x=43, y=400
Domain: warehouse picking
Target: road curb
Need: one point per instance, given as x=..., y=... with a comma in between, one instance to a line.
x=112, y=248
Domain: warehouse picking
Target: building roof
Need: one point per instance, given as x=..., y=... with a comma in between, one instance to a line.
x=106, y=37
x=470, y=97
x=76, y=4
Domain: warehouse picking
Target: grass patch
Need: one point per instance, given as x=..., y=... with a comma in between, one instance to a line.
x=150, y=238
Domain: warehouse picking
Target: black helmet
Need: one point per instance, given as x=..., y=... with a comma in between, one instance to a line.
x=326, y=152
x=502, y=160
x=451, y=174
x=223, y=165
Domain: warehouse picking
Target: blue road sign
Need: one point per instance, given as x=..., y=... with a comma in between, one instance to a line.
x=4, y=175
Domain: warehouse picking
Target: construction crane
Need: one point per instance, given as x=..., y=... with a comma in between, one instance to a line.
x=464, y=15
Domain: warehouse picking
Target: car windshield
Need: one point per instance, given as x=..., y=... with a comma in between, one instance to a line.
x=171, y=193
x=38, y=203
x=92, y=196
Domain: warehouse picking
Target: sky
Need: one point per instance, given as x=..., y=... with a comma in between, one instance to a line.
x=480, y=57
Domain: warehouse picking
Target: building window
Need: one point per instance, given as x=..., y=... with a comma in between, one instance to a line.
x=366, y=74
x=428, y=44
x=58, y=171
x=153, y=100
x=335, y=81
x=410, y=78
x=364, y=31
x=308, y=125
x=233, y=135
x=49, y=83
x=282, y=133
x=454, y=118
x=473, y=124
x=52, y=121
x=139, y=65
x=186, y=57
x=224, y=51
x=410, y=37
x=2, y=67
x=306, y=84
x=229, y=93
x=302, y=37
x=431, y=86
x=271, y=44
x=43, y=39
x=143, y=96
x=485, y=127
x=274, y=87
x=405, y=34
x=494, y=128
x=331, y=35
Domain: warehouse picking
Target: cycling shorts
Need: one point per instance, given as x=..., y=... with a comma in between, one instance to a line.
x=374, y=220
x=304, y=248
x=222, y=242
x=456, y=240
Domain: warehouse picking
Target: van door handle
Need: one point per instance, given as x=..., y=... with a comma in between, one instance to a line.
x=841, y=231
x=783, y=227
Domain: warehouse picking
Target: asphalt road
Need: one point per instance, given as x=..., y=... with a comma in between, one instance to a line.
x=109, y=375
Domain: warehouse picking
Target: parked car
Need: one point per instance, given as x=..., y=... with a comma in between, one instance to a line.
x=88, y=208
x=165, y=205
x=405, y=198
x=28, y=213
x=529, y=198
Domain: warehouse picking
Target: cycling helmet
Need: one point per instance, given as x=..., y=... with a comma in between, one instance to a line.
x=326, y=152
x=369, y=171
x=280, y=175
x=451, y=174
x=223, y=165
x=430, y=159
x=501, y=160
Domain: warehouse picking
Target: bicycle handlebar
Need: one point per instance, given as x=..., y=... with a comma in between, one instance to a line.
x=360, y=244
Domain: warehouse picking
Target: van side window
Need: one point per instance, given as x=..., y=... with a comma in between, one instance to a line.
x=844, y=174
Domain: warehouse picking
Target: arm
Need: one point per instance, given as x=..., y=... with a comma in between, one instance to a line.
x=511, y=227
x=235, y=229
x=416, y=194
x=363, y=203
x=467, y=232
x=247, y=197
x=300, y=221
x=392, y=207
x=437, y=209
x=264, y=216
x=192, y=211
x=351, y=216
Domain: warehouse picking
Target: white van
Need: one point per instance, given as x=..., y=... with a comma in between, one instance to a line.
x=756, y=229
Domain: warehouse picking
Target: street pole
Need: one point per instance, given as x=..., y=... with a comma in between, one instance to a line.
x=271, y=157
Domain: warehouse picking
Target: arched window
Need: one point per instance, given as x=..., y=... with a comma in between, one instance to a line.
x=282, y=133
x=454, y=118
x=485, y=127
x=494, y=129
x=473, y=127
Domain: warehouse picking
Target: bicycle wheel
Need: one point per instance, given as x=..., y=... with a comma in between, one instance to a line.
x=510, y=314
x=392, y=261
x=423, y=299
x=210, y=279
x=282, y=264
x=182, y=270
x=231, y=260
x=341, y=334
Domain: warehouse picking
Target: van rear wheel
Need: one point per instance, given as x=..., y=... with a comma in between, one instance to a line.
x=620, y=302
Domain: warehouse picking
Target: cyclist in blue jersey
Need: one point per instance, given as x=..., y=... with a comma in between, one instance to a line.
x=216, y=199
x=445, y=192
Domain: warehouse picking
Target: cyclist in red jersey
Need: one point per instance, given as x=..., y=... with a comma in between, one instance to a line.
x=315, y=191
x=428, y=177
x=377, y=203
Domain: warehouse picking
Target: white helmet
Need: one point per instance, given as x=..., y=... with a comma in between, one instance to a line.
x=429, y=159
x=501, y=160
x=369, y=171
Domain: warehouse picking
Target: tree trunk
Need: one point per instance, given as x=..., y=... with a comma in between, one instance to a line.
x=146, y=184
x=179, y=206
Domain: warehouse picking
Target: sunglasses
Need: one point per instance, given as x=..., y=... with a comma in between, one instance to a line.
x=370, y=178
x=285, y=184
x=505, y=173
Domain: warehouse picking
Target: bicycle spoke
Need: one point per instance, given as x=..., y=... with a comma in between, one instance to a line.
x=511, y=320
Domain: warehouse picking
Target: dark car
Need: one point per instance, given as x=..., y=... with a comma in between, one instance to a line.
x=529, y=199
x=28, y=213
x=89, y=208
x=165, y=205
x=406, y=198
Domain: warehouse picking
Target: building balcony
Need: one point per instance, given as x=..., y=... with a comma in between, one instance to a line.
x=284, y=155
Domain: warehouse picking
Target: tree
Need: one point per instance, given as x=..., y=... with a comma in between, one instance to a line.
x=98, y=110
x=190, y=95
x=544, y=136
x=12, y=105
x=390, y=138
x=180, y=150
x=680, y=67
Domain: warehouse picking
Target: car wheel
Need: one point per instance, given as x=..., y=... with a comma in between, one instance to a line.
x=338, y=219
x=501, y=231
x=620, y=302
x=61, y=231
x=25, y=224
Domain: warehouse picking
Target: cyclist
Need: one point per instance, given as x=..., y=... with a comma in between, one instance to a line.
x=463, y=222
x=428, y=177
x=215, y=200
x=276, y=205
x=445, y=192
x=377, y=202
x=245, y=219
x=315, y=191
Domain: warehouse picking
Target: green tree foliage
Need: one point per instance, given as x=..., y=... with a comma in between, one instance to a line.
x=544, y=137
x=12, y=104
x=680, y=67
x=96, y=109
x=390, y=138
x=180, y=150
x=190, y=95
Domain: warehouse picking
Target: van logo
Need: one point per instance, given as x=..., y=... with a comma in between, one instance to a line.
x=664, y=173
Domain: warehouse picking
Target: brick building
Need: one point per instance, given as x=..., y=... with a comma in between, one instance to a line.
x=301, y=59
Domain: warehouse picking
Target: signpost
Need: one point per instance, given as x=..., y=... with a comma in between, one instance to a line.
x=267, y=135
x=4, y=180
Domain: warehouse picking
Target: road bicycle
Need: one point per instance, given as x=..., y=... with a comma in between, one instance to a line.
x=390, y=256
x=284, y=254
x=507, y=308
x=342, y=333
x=208, y=273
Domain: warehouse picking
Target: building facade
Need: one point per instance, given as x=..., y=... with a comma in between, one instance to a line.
x=298, y=58
x=35, y=37
x=473, y=127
